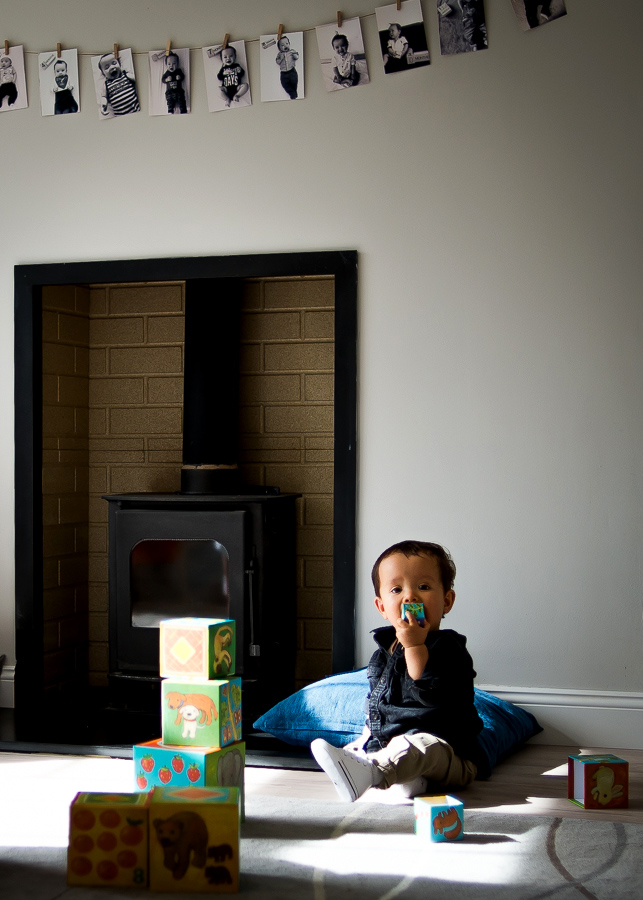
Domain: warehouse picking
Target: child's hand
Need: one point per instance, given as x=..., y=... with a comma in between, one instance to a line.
x=409, y=632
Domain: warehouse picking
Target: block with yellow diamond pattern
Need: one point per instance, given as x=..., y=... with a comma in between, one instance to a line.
x=197, y=648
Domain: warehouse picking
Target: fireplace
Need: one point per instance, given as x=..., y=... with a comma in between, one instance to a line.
x=216, y=477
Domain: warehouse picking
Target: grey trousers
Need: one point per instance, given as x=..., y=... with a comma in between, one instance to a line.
x=411, y=756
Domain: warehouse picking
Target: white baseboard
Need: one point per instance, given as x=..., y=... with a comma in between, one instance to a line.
x=589, y=719
x=6, y=687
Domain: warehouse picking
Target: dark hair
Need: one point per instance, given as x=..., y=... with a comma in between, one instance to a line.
x=339, y=37
x=419, y=548
x=175, y=55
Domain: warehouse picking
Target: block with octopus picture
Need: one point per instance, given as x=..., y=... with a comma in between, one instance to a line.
x=199, y=712
x=439, y=818
x=598, y=781
x=108, y=840
x=197, y=648
x=194, y=840
x=157, y=765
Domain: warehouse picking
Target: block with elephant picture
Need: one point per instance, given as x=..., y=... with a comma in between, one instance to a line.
x=158, y=765
x=199, y=712
x=197, y=648
x=194, y=839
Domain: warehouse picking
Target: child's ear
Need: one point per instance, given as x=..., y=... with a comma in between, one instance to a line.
x=449, y=600
x=380, y=606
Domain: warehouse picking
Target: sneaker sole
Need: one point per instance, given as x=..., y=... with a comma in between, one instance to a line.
x=347, y=792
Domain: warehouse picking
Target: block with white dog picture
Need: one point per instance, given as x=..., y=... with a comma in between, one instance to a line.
x=199, y=712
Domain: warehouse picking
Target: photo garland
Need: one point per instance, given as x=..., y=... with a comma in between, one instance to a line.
x=403, y=46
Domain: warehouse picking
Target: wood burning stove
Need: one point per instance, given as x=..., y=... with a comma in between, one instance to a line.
x=222, y=556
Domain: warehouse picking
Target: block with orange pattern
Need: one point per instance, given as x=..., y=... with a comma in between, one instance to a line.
x=108, y=839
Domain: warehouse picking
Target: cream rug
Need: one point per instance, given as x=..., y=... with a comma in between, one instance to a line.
x=324, y=849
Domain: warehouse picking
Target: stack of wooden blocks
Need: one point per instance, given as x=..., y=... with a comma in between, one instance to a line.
x=189, y=802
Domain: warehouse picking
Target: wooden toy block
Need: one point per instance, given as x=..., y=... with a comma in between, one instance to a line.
x=599, y=781
x=416, y=609
x=198, y=712
x=197, y=648
x=439, y=818
x=156, y=765
x=108, y=839
x=194, y=839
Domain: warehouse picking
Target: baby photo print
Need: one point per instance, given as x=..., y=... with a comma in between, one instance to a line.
x=58, y=77
x=13, y=86
x=226, y=76
x=115, y=84
x=282, y=66
x=169, y=82
x=462, y=26
x=402, y=36
x=341, y=53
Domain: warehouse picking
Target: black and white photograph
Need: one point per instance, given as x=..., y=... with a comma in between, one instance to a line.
x=341, y=53
x=463, y=26
x=115, y=84
x=58, y=76
x=532, y=13
x=169, y=90
x=402, y=36
x=13, y=85
x=282, y=66
x=226, y=76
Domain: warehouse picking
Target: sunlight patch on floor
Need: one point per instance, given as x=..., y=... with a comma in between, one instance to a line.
x=492, y=862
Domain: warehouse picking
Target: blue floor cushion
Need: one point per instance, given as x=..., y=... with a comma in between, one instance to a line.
x=334, y=709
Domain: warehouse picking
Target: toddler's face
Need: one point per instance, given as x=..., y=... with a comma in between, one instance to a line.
x=284, y=44
x=5, y=62
x=171, y=63
x=415, y=579
x=228, y=56
x=341, y=47
x=394, y=31
x=110, y=67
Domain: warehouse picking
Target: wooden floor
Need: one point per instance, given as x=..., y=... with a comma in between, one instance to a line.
x=532, y=781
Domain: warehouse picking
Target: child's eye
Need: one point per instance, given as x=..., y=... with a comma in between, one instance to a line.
x=396, y=590
x=424, y=587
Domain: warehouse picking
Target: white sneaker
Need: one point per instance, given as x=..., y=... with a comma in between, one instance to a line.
x=351, y=775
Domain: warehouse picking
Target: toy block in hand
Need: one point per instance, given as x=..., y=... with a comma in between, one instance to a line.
x=108, y=838
x=439, y=818
x=194, y=839
x=598, y=781
x=197, y=648
x=198, y=712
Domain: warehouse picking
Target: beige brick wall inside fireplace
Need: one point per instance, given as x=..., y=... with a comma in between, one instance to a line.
x=127, y=421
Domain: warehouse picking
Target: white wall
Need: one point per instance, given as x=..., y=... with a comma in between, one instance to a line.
x=495, y=201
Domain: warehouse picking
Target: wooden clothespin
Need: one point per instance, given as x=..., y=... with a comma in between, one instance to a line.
x=6, y=48
x=225, y=42
x=280, y=33
x=168, y=47
x=59, y=50
x=399, y=5
x=339, y=18
x=115, y=51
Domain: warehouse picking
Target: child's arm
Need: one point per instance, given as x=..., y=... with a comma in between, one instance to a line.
x=405, y=47
x=412, y=636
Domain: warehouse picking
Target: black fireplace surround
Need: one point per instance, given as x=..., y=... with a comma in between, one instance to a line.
x=245, y=517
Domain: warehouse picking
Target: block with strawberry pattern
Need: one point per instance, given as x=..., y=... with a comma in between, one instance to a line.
x=157, y=765
x=197, y=648
x=108, y=840
x=199, y=712
x=439, y=818
x=194, y=839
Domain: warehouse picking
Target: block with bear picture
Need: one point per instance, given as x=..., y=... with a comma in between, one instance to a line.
x=194, y=839
x=197, y=648
x=108, y=838
x=199, y=712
